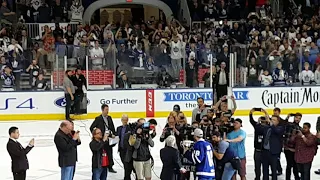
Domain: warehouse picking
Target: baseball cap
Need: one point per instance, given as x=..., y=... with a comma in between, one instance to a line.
x=238, y=120
x=198, y=133
x=176, y=108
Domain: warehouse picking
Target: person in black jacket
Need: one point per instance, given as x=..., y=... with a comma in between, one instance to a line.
x=171, y=162
x=258, y=138
x=66, y=144
x=122, y=147
x=18, y=154
x=78, y=81
x=105, y=124
x=100, y=160
x=272, y=146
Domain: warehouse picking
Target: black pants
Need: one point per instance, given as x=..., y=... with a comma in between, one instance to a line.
x=257, y=163
x=19, y=175
x=128, y=166
x=269, y=160
x=291, y=164
x=68, y=105
x=222, y=90
x=78, y=97
x=279, y=168
x=304, y=170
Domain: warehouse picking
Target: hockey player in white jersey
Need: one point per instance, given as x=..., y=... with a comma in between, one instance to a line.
x=202, y=156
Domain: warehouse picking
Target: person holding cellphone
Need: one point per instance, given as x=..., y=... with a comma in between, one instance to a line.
x=100, y=160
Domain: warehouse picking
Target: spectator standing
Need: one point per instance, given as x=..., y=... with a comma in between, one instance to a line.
x=105, y=123
x=66, y=144
x=279, y=76
x=289, y=146
x=18, y=154
x=123, y=81
x=80, y=82
x=237, y=138
x=6, y=15
x=258, y=138
x=100, y=159
x=317, y=76
x=34, y=71
x=69, y=91
x=306, y=149
x=48, y=48
x=265, y=78
x=97, y=56
x=222, y=81
x=192, y=69
x=272, y=146
x=176, y=56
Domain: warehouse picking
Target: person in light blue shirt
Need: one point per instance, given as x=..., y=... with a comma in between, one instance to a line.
x=237, y=138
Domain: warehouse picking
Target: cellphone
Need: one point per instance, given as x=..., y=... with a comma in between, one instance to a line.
x=257, y=109
x=292, y=114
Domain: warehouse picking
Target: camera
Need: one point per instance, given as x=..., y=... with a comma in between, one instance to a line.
x=187, y=131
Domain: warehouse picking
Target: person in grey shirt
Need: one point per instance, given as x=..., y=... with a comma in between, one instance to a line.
x=199, y=111
x=69, y=91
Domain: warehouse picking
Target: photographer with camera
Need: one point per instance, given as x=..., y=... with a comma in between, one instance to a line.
x=227, y=162
x=202, y=156
x=289, y=147
x=222, y=105
x=200, y=111
x=141, y=154
x=258, y=138
x=171, y=128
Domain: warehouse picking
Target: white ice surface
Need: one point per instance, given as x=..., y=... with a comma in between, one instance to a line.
x=43, y=158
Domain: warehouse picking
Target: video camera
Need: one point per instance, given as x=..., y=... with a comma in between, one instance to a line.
x=146, y=127
x=187, y=132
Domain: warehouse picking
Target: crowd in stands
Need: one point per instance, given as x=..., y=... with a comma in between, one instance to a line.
x=271, y=50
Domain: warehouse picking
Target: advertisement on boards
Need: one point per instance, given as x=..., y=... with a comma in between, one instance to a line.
x=186, y=98
x=118, y=101
x=150, y=103
x=29, y=103
x=282, y=97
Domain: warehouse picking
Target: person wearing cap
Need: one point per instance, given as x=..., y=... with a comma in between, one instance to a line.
x=176, y=108
x=170, y=157
x=237, y=138
x=69, y=91
x=201, y=156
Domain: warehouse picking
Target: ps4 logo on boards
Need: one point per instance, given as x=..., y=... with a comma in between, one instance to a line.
x=187, y=96
x=61, y=102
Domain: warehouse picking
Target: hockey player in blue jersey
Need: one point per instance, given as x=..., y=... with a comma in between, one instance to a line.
x=202, y=156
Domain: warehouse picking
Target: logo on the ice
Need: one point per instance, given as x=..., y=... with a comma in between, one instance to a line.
x=61, y=102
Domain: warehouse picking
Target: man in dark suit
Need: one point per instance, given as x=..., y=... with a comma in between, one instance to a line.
x=18, y=154
x=78, y=81
x=271, y=146
x=171, y=162
x=105, y=124
x=124, y=147
x=222, y=81
x=66, y=143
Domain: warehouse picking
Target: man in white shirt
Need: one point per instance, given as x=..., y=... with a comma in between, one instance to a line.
x=97, y=56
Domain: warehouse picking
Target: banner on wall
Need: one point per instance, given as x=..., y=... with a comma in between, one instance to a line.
x=185, y=98
x=282, y=97
x=118, y=101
